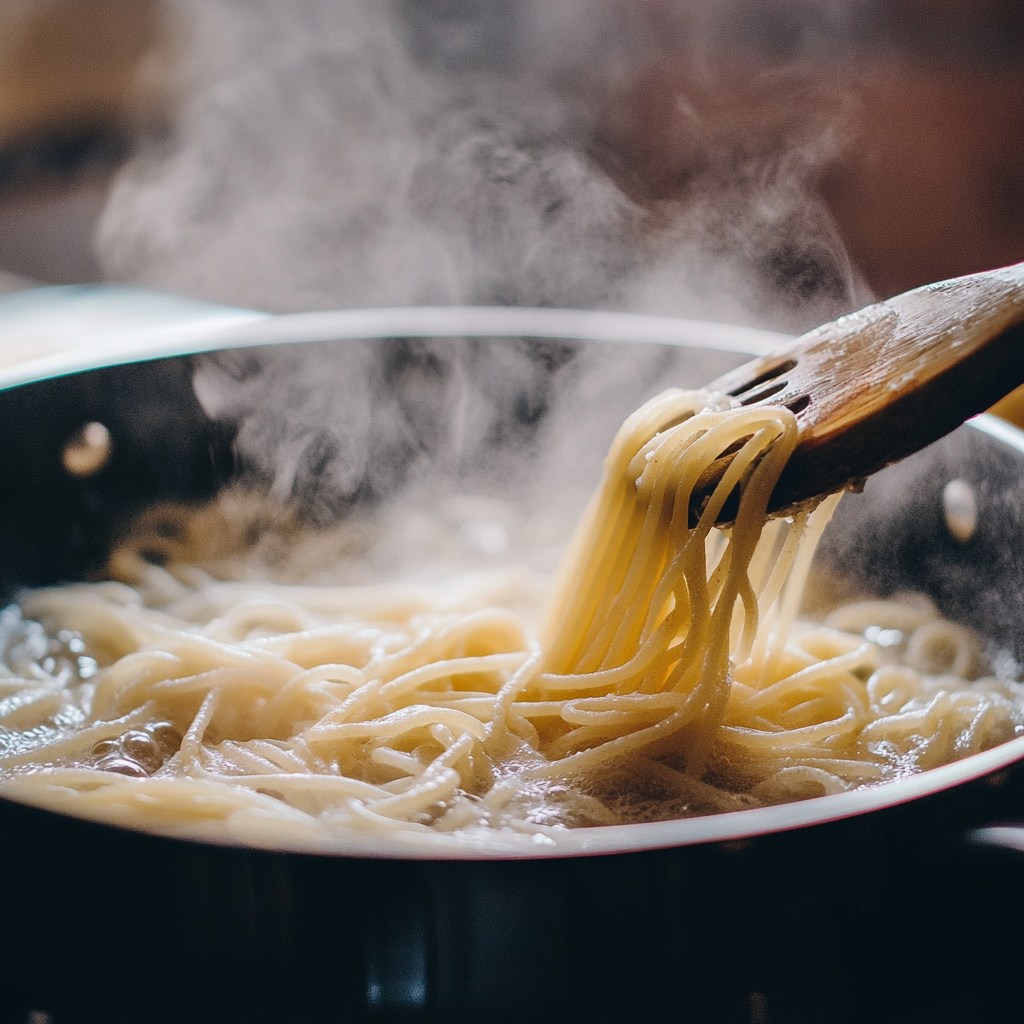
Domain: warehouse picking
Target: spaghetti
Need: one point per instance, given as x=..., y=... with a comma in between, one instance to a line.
x=670, y=676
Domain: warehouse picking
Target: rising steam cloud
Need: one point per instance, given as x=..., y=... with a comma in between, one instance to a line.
x=332, y=153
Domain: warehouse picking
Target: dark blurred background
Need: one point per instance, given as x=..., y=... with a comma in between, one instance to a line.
x=926, y=181
x=77, y=81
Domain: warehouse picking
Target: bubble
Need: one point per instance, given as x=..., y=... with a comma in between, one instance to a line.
x=165, y=735
x=122, y=766
x=140, y=747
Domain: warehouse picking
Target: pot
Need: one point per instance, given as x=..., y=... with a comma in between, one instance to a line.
x=870, y=903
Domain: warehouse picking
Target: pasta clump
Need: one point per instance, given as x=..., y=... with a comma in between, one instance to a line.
x=670, y=675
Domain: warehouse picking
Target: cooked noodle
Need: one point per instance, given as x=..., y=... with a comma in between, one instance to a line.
x=670, y=677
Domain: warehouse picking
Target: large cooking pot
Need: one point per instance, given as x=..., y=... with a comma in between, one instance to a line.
x=875, y=904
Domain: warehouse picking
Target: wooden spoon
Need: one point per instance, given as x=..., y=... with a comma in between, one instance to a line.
x=876, y=385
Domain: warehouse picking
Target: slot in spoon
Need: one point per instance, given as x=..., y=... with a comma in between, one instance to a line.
x=877, y=385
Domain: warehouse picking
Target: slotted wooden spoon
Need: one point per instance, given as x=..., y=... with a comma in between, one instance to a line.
x=874, y=386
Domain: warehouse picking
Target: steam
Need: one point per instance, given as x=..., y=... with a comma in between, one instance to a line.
x=492, y=445
x=332, y=153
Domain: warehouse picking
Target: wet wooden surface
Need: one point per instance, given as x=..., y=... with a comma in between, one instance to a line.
x=876, y=385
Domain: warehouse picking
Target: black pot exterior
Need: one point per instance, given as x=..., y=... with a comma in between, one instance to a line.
x=57, y=526
x=887, y=916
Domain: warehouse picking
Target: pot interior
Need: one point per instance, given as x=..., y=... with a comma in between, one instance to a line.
x=458, y=451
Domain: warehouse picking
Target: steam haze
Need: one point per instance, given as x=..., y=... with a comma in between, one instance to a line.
x=333, y=153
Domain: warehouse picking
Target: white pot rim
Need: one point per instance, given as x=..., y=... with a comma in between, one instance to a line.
x=242, y=329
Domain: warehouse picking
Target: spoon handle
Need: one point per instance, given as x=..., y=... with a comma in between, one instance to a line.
x=874, y=386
